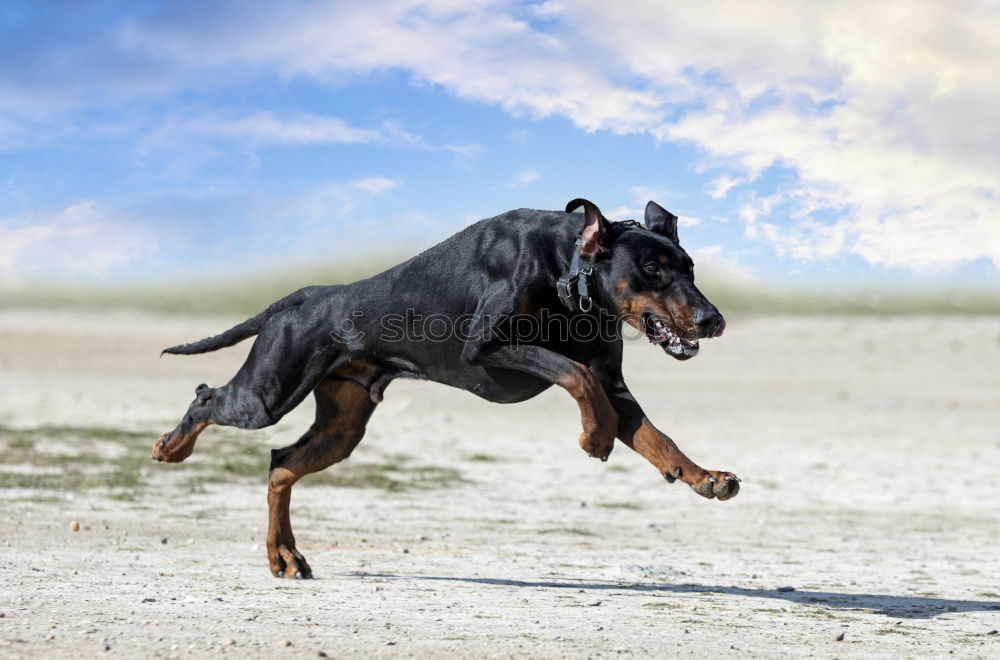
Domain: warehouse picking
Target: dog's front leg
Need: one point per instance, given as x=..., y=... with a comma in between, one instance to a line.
x=597, y=416
x=657, y=448
x=636, y=431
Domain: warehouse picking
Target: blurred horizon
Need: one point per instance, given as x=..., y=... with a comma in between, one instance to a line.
x=249, y=290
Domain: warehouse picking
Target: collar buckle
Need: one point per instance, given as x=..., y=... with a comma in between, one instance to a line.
x=574, y=287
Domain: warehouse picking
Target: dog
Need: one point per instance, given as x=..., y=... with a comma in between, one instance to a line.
x=519, y=302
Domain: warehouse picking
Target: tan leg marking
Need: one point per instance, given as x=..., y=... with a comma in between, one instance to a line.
x=657, y=448
x=343, y=408
x=597, y=416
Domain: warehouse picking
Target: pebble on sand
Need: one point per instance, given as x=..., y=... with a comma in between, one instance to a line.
x=840, y=637
x=74, y=525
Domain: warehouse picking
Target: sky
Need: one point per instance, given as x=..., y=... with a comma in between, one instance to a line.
x=799, y=142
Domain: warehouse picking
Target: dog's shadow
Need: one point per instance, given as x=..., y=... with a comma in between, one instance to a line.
x=901, y=607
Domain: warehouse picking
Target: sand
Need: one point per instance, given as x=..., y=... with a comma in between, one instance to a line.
x=868, y=523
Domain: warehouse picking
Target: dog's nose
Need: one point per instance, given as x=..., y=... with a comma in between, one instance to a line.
x=709, y=322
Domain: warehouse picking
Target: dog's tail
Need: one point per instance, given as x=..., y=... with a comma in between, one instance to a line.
x=248, y=328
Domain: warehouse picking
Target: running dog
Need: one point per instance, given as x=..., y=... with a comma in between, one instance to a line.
x=535, y=299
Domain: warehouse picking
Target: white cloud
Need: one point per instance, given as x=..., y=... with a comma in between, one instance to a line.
x=548, y=9
x=88, y=239
x=394, y=133
x=306, y=128
x=522, y=179
x=327, y=202
x=880, y=112
x=375, y=185
x=720, y=187
x=623, y=213
x=642, y=195
x=81, y=239
x=479, y=50
x=715, y=262
x=638, y=214
x=299, y=129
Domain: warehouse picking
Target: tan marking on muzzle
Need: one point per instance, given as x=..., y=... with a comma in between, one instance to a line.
x=631, y=307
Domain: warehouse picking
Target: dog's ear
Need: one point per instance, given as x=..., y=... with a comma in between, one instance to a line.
x=595, y=227
x=661, y=221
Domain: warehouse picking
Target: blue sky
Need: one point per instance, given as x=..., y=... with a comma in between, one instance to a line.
x=798, y=142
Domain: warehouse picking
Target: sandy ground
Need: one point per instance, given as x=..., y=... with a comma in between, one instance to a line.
x=869, y=451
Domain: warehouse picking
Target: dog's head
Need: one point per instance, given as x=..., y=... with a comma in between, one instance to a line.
x=647, y=279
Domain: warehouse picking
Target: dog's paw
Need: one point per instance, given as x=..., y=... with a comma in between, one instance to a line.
x=599, y=431
x=719, y=485
x=288, y=562
x=174, y=446
x=597, y=445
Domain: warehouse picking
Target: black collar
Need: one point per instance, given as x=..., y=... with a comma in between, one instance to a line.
x=574, y=287
x=580, y=300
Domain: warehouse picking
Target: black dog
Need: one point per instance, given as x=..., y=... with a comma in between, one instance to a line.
x=504, y=309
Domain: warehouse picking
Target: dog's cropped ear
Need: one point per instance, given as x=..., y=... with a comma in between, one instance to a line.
x=661, y=221
x=595, y=227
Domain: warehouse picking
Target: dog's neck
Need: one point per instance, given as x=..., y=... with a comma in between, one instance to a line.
x=577, y=287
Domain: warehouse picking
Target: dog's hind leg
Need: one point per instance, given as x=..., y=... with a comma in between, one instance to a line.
x=282, y=368
x=236, y=404
x=343, y=408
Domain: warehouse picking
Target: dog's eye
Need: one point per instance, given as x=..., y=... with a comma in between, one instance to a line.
x=652, y=268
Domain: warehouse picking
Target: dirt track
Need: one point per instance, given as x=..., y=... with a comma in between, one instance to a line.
x=869, y=451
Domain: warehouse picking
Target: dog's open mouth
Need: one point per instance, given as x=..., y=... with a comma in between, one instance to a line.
x=658, y=332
